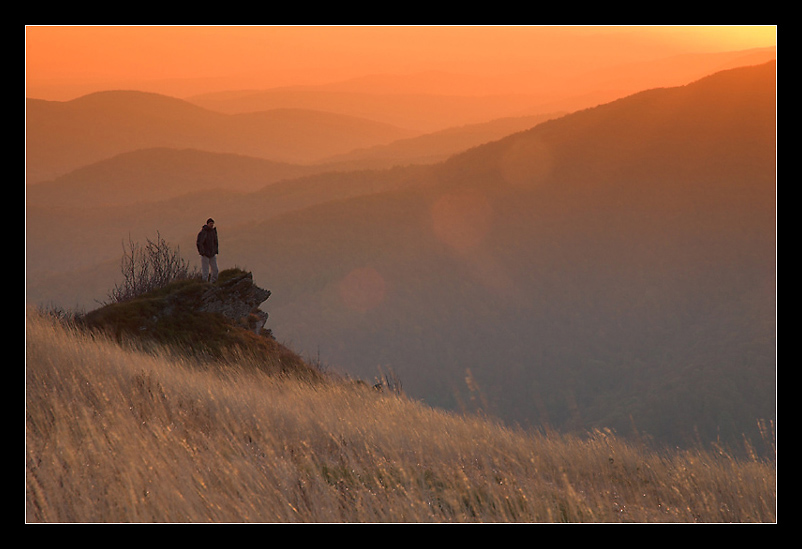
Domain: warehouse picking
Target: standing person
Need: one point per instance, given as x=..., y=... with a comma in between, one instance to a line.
x=207, y=248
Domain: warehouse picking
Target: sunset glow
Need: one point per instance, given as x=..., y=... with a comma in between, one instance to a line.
x=65, y=61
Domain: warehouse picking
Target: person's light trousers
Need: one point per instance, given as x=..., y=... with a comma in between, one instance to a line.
x=206, y=264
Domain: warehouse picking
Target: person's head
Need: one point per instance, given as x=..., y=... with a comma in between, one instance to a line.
x=210, y=223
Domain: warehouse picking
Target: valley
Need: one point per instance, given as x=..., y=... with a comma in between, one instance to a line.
x=611, y=267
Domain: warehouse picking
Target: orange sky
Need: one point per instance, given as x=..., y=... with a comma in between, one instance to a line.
x=63, y=62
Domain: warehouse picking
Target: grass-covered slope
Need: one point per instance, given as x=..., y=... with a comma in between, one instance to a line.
x=116, y=434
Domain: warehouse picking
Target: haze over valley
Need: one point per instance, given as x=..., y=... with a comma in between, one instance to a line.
x=599, y=258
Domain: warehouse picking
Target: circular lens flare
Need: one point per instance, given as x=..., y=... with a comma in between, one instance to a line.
x=363, y=289
x=462, y=220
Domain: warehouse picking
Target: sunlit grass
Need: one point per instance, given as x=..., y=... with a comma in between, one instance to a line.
x=121, y=435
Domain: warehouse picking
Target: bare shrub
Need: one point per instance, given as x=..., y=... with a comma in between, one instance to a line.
x=148, y=267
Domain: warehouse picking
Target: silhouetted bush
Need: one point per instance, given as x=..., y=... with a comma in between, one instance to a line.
x=148, y=267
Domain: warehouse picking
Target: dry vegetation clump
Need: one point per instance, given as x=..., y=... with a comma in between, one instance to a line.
x=121, y=435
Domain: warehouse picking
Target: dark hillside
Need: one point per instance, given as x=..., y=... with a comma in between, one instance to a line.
x=609, y=268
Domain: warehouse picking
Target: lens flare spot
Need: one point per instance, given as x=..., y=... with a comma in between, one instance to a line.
x=363, y=289
x=462, y=219
x=527, y=163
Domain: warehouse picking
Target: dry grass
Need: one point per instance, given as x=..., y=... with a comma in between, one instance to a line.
x=120, y=435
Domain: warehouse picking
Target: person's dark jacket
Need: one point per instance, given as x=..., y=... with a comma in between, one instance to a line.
x=207, y=241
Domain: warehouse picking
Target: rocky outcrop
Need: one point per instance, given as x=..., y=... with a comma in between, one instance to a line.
x=237, y=298
x=218, y=320
x=178, y=307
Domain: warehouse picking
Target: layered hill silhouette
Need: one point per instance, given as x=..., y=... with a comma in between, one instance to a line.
x=435, y=100
x=161, y=173
x=63, y=136
x=434, y=147
x=309, y=124
x=614, y=267
x=420, y=112
x=158, y=174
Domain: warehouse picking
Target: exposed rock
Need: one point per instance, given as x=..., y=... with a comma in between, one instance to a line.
x=234, y=298
x=203, y=320
x=238, y=299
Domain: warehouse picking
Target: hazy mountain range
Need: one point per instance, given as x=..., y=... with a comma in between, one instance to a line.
x=311, y=124
x=611, y=267
x=62, y=136
x=433, y=101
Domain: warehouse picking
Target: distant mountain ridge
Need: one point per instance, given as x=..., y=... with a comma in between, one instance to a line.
x=436, y=100
x=435, y=147
x=63, y=136
x=158, y=174
x=418, y=113
x=541, y=81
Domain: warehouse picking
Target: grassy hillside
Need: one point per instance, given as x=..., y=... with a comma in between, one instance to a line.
x=118, y=434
